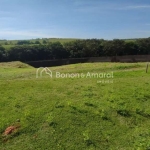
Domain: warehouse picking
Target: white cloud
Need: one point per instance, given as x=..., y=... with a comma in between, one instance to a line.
x=23, y=34
x=138, y=6
x=132, y=7
x=98, y=9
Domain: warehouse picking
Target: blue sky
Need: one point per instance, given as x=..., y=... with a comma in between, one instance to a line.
x=107, y=19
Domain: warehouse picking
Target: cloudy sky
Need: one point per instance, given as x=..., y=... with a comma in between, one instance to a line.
x=107, y=19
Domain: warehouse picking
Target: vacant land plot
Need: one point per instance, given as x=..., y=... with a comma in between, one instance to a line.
x=77, y=113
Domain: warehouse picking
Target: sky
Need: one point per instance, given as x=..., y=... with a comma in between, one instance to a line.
x=102, y=19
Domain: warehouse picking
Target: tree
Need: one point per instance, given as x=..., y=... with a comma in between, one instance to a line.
x=93, y=48
x=144, y=46
x=37, y=42
x=58, y=50
x=23, y=42
x=2, y=54
x=44, y=42
x=131, y=48
x=75, y=48
x=114, y=48
x=6, y=43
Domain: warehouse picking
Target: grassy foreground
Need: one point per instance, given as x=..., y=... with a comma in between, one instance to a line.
x=75, y=113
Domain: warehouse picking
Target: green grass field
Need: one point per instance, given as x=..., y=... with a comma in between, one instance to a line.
x=75, y=113
x=12, y=43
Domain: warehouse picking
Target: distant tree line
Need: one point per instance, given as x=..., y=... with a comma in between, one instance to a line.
x=74, y=49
